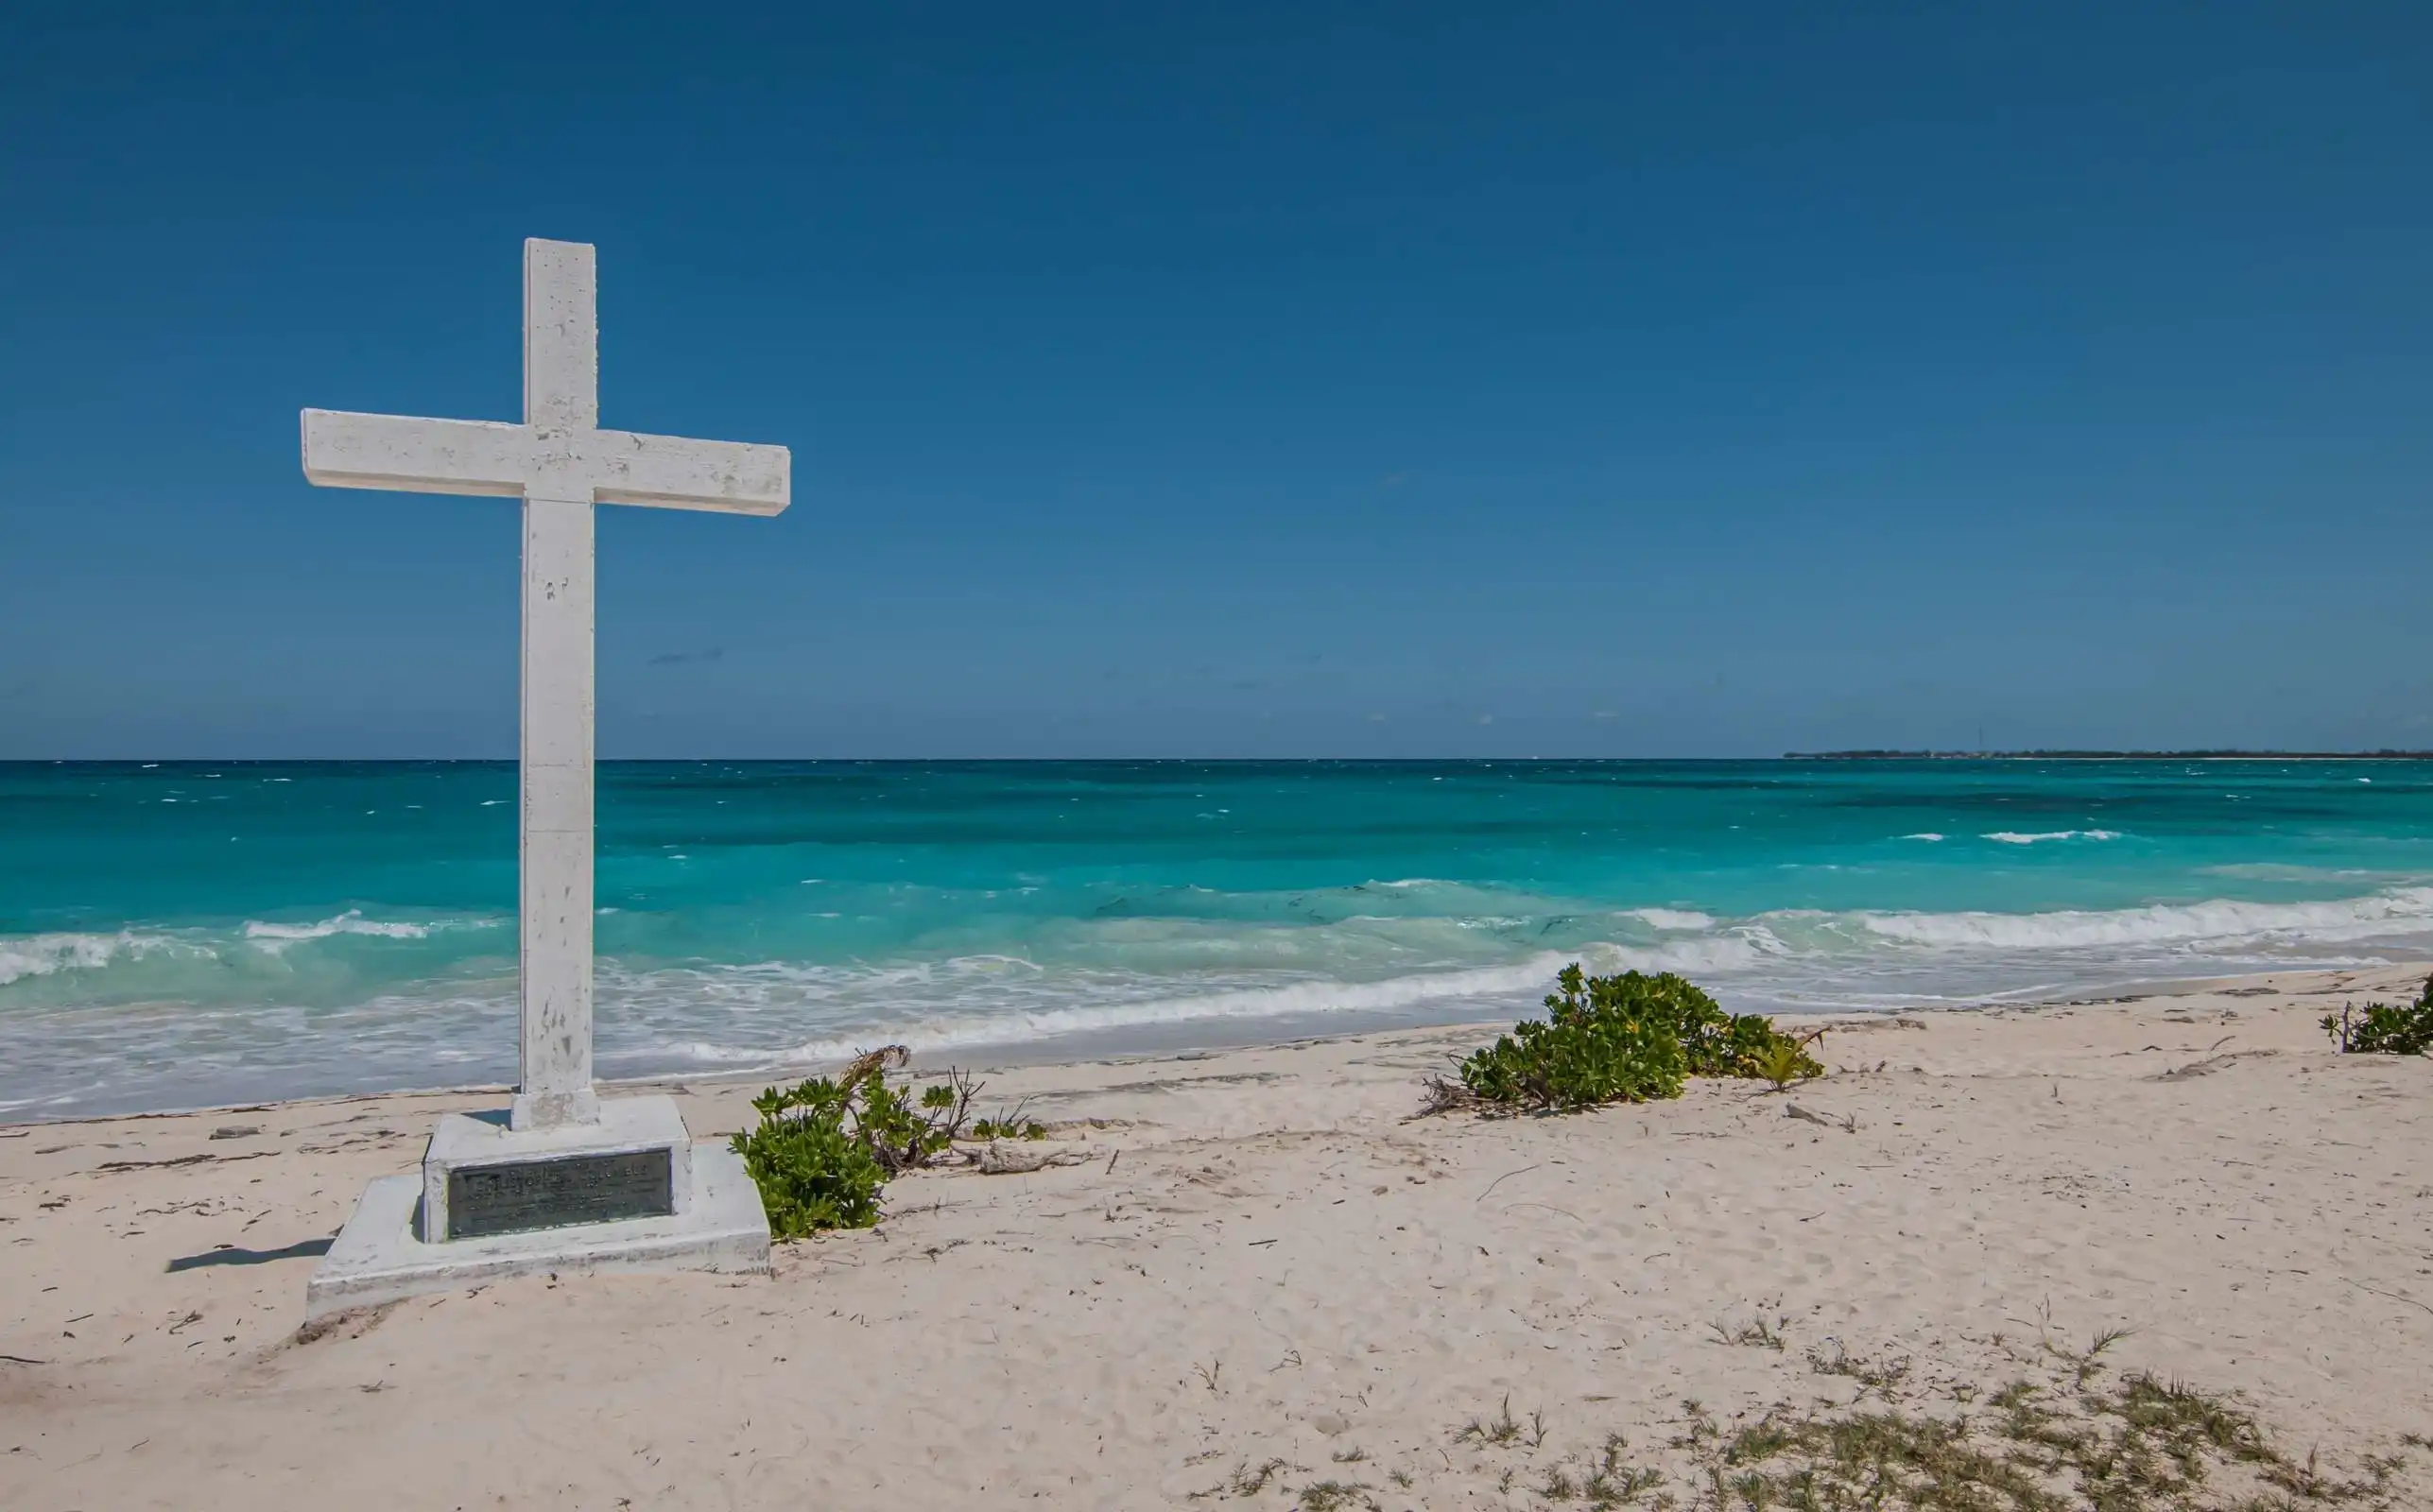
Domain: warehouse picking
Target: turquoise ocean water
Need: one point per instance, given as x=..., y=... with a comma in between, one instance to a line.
x=180, y=935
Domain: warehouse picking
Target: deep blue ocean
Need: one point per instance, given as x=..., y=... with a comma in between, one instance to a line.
x=176, y=935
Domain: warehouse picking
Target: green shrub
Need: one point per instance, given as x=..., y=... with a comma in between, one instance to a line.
x=1601, y=1042
x=2385, y=1030
x=1725, y=1044
x=812, y=1170
x=823, y=1149
x=1631, y=1038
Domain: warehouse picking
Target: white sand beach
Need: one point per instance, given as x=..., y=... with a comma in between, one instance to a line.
x=1267, y=1280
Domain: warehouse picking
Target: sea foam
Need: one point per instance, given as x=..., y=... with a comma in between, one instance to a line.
x=2218, y=921
x=1685, y=918
x=1493, y=988
x=350, y=922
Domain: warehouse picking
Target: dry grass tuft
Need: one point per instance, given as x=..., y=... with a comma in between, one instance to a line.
x=1337, y=1496
x=1757, y=1335
x=1503, y=1430
x=1247, y=1481
x=1871, y=1375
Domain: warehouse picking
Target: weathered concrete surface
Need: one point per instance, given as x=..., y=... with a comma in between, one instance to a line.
x=626, y=1125
x=377, y=1258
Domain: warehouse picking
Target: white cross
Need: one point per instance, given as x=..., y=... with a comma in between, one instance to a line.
x=561, y=463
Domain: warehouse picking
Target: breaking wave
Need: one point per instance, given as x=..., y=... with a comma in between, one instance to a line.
x=29, y=955
x=1674, y=917
x=2218, y=921
x=85, y=957
x=350, y=922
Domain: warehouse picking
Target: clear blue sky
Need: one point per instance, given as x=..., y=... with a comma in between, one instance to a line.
x=1243, y=380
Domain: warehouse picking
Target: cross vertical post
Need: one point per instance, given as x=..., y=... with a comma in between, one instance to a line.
x=554, y=802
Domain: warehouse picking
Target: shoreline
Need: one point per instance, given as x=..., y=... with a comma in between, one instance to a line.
x=1194, y=1038
x=1263, y=1257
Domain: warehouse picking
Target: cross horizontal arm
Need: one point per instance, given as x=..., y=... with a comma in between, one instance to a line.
x=350, y=450
x=673, y=472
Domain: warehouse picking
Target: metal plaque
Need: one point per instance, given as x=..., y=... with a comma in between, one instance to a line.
x=511, y=1199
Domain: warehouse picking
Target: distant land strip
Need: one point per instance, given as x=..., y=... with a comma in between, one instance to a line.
x=2107, y=755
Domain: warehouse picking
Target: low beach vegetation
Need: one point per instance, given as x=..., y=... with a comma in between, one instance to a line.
x=2141, y=1444
x=2063, y=1435
x=1627, y=1039
x=2384, y=1029
x=825, y=1149
x=2039, y=1425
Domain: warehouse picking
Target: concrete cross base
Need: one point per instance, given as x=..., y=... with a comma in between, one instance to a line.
x=482, y=1175
x=379, y=1258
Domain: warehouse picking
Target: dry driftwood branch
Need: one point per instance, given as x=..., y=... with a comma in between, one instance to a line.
x=1442, y=1095
x=2210, y=1064
x=871, y=1063
x=1019, y=1156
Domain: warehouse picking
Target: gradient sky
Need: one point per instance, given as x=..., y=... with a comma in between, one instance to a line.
x=1243, y=380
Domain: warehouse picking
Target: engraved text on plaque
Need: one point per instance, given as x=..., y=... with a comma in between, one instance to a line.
x=513, y=1197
